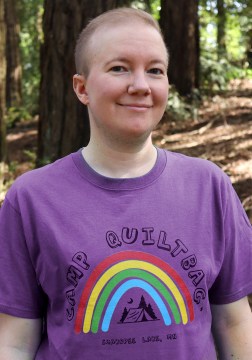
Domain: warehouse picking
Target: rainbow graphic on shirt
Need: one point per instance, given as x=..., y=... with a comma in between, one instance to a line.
x=119, y=273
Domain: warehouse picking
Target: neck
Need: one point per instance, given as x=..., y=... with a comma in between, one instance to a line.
x=120, y=162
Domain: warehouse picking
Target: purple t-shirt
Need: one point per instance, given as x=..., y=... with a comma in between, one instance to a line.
x=124, y=268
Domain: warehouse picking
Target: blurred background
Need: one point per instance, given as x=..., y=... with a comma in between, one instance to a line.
x=209, y=111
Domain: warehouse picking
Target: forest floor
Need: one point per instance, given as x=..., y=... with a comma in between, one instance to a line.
x=221, y=133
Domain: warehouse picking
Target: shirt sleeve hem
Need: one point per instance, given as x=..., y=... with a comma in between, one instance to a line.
x=22, y=313
x=227, y=299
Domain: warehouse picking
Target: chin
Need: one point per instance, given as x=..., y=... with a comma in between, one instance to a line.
x=137, y=135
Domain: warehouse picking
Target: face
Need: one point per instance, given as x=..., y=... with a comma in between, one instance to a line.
x=126, y=89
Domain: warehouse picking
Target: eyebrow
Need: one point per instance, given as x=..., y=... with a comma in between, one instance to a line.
x=126, y=60
x=120, y=59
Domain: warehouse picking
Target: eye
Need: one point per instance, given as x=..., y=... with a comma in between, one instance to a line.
x=118, y=68
x=156, y=71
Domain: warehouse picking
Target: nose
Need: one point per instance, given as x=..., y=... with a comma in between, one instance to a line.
x=139, y=84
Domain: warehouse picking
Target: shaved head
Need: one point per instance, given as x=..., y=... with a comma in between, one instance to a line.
x=111, y=18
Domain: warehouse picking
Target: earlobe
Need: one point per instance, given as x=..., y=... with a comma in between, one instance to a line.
x=79, y=86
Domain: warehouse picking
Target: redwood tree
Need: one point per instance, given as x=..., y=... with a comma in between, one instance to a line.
x=63, y=124
x=221, y=29
x=13, y=76
x=180, y=25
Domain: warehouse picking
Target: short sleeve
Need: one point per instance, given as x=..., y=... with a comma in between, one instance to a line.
x=234, y=280
x=20, y=293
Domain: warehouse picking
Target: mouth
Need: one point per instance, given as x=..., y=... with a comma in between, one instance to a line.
x=136, y=107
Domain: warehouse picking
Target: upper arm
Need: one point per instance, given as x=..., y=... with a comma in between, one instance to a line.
x=229, y=315
x=19, y=337
x=232, y=329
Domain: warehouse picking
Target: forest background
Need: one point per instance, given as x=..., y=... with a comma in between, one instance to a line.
x=209, y=111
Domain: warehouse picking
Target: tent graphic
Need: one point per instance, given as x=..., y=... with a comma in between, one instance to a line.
x=141, y=314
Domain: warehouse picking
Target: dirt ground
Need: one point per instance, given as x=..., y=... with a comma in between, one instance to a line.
x=221, y=133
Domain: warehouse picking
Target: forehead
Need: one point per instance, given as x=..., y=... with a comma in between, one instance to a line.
x=137, y=39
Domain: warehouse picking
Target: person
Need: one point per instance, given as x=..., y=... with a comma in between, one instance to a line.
x=122, y=249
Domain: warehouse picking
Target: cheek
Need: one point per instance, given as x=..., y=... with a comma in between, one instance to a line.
x=107, y=93
x=162, y=97
x=160, y=94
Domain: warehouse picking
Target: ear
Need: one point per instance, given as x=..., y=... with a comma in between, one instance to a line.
x=79, y=86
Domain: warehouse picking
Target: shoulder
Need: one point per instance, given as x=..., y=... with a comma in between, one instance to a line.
x=197, y=179
x=46, y=179
x=194, y=168
x=202, y=179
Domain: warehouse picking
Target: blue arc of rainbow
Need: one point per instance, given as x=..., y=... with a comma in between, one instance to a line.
x=125, y=287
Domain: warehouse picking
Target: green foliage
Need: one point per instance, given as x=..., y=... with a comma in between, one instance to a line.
x=248, y=74
x=235, y=38
x=31, y=155
x=208, y=32
x=238, y=24
x=182, y=108
x=12, y=168
x=31, y=36
x=16, y=114
x=215, y=75
x=155, y=8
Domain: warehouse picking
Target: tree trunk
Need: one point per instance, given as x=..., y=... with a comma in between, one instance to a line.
x=180, y=25
x=13, y=77
x=221, y=29
x=249, y=49
x=2, y=81
x=63, y=123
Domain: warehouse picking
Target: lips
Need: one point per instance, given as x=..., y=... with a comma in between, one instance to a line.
x=136, y=106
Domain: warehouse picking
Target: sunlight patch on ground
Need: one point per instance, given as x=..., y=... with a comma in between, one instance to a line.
x=13, y=137
x=242, y=169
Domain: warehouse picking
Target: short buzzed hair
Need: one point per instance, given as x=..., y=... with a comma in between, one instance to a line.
x=117, y=16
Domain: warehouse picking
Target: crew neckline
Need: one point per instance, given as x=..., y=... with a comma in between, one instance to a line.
x=117, y=183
